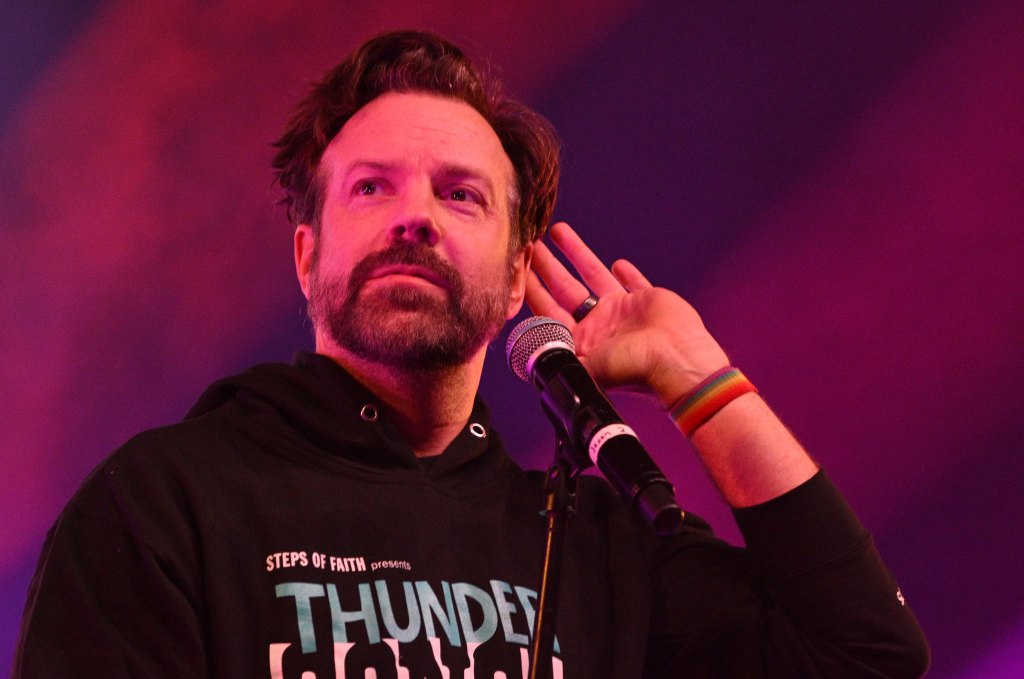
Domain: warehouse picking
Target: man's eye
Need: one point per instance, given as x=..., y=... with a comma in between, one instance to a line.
x=366, y=188
x=462, y=196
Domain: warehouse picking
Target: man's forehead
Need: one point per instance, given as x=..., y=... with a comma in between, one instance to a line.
x=403, y=128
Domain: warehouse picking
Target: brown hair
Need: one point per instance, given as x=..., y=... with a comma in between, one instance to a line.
x=411, y=61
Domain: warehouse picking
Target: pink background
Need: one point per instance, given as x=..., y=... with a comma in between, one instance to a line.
x=836, y=186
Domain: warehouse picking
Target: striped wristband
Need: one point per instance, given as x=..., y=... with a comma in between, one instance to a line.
x=701, y=403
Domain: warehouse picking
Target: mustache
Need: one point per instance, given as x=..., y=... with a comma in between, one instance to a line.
x=414, y=254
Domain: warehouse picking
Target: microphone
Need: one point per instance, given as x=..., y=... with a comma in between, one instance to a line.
x=541, y=350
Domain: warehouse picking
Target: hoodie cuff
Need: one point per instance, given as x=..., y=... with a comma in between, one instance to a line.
x=801, y=530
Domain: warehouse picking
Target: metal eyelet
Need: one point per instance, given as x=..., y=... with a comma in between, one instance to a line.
x=477, y=430
x=369, y=412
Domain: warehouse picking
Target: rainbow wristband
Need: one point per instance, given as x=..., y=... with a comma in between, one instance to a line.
x=702, y=402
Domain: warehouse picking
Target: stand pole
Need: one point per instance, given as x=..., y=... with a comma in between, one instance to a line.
x=559, y=498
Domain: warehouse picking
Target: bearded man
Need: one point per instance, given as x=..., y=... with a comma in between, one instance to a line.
x=355, y=511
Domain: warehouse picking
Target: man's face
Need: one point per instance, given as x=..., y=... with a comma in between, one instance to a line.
x=411, y=267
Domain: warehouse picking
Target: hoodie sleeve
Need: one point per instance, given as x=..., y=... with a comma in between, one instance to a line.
x=809, y=597
x=104, y=604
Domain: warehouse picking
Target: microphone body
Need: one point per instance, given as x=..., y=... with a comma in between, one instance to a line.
x=540, y=350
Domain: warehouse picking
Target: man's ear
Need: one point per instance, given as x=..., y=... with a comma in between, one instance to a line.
x=305, y=244
x=520, y=270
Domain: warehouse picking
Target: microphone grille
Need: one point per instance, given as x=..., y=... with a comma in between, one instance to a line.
x=529, y=336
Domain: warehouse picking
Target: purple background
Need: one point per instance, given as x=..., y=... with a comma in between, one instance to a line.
x=836, y=186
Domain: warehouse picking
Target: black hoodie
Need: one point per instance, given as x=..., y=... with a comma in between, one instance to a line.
x=284, y=527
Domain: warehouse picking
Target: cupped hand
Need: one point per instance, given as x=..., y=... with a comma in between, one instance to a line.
x=638, y=337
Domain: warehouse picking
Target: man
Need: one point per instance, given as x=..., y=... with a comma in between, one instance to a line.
x=355, y=511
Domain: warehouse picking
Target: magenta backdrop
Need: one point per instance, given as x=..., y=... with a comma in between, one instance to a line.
x=836, y=186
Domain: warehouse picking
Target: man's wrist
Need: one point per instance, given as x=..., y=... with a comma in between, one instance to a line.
x=683, y=373
x=708, y=397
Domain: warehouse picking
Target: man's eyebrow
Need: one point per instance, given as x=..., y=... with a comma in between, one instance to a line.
x=455, y=171
x=447, y=170
x=375, y=165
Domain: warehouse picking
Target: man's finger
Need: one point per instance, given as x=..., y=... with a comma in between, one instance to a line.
x=589, y=266
x=543, y=304
x=629, y=276
x=564, y=288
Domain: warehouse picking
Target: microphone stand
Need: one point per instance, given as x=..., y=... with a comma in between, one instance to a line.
x=559, y=507
x=580, y=413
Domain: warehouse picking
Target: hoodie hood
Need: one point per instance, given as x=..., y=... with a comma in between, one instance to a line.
x=315, y=407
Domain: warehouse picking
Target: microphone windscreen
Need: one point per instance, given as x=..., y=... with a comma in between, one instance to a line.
x=532, y=335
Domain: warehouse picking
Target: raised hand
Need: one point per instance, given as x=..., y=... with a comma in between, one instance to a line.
x=650, y=339
x=637, y=337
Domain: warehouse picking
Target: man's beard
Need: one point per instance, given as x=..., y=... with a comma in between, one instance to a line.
x=377, y=325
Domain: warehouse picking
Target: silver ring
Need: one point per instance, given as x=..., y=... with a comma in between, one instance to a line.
x=583, y=309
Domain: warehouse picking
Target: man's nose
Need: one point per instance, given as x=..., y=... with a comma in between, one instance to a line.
x=415, y=220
